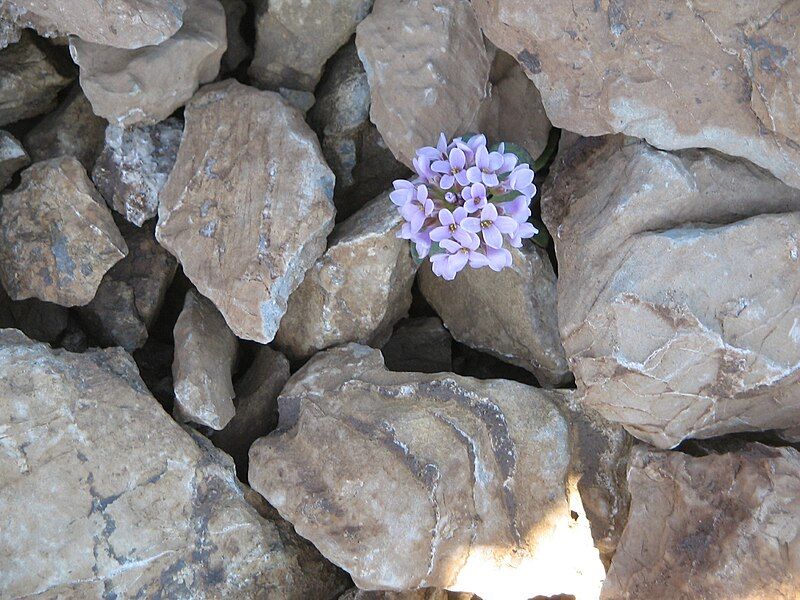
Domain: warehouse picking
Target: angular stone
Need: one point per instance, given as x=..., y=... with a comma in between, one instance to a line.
x=70, y=130
x=248, y=206
x=10, y=32
x=408, y=480
x=237, y=50
x=422, y=594
x=722, y=526
x=677, y=289
x=205, y=355
x=12, y=158
x=29, y=81
x=110, y=497
x=57, y=237
x=295, y=39
x=42, y=321
x=421, y=345
x=427, y=67
x=134, y=165
x=510, y=314
x=357, y=290
x=142, y=86
x=679, y=74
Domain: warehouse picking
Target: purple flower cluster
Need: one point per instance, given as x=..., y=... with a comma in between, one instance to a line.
x=465, y=204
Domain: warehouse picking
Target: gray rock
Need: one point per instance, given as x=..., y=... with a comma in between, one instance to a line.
x=12, y=158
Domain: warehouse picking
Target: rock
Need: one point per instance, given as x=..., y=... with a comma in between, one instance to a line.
x=110, y=497
x=639, y=235
x=134, y=165
x=29, y=81
x=237, y=50
x=427, y=68
x=422, y=594
x=248, y=207
x=256, y=404
x=421, y=345
x=123, y=23
x=510, y=314
x=295, y=39
x=57, y=237
x=357, y=290
x=130, y=295
x=71, y=130
x=154, y=361
x=679, y=74
x=722, y=526
x=12, y=158
x=10, y=32
x=205, y=355
x=302, y=101
x=408, y=480
x=140, y=86
x=42, y=321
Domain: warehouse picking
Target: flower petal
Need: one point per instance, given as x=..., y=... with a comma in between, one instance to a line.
x=482, y=158
x=457, y=158
x=472, y=224
x=460, y=214
x=400, y=197
x=446, y=217
x=490, y=179
x=458, y=261
x=489, y=213
x=474, y=175
x=506, y=225
x=493, y=237
x=477, y=260
x=441, y=166
x=498, y=258
x=447, y=181
x=461, y=178
x=440, y=233
x=450, y=245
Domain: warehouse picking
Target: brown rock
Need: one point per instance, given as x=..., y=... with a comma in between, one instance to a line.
x=427, y=67
x=57, y=237
x=12, y=158
x=422, y=594
x=678, y=277
x=421, y=345
x=140, y=86
x=718, y=526
x=409, y=480
x=247, y=207
x=357, y=290
x=205, y=355
x=42, y=321
x=679, y=74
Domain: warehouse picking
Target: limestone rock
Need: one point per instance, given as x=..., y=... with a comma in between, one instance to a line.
x=678, y=280
x=42, y=321
x=237, y=50
x=295, y=39
x=421, y=345
x=10, y=31
x=122, y=502
x=357, y=290
x=679, y=74
x=134, y=165
x=205, y=355
x=146, y=85
x=57, y=237
x=12, y=158
x=427, y=68
x=409, y=480
x=248, y=205
x=510, y=314
x=422, y=594
x=717, y=526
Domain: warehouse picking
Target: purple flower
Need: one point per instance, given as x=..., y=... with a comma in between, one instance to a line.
x=491, y=225
x=419, y=208
x=475, y=196
x=498, y=258
x=524, y=231
x=438, y=153
x=518, y=209
x=450, y=225
x=521, y=180
x=403, y=192
x=486, y=166
x=422, y=167
x=453, y=169
x=509, y=158
x=458, y=254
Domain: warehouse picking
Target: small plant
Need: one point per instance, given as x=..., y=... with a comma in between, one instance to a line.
x=466, y=203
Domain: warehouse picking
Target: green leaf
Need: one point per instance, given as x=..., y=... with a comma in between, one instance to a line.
x=414, y=254
x=505, y=197
x=435, y=249
x=523, y=156
x=468, y=136
x=541, y=239
x=549, y=152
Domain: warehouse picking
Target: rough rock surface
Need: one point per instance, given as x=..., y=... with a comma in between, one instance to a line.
x=653, y=344
x=717, y=526
x=679, y=74
x=12, y=157
x=422, y=345
x=422, y=594
x=248, y=206
x=42, y=321
x=134, y=165
x=123, y=502
x=427, y=67
x=357, y=290
x=409, y=480
x=205, y=355
x=510, y=314
x=295, y=39
x=146, y=85
x=57, y=237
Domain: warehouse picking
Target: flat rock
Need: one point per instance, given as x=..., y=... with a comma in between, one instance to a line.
x=679, y=74
x=140, y=86
x=12, y=157
x=57, y=237
x=421, y=345
x=412, y=480
x=134, y=165
x=427, y=67
x=357, y=290
x=717, y=526
x=640, y=236
x=294, y=40
x=122, y=501
x=205, y=355
x=510, y=314
x=248, y=206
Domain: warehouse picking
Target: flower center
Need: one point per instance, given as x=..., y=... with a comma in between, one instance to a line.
x=454, y=170
x=453, y=226
x=465, y=250
x=486, y=224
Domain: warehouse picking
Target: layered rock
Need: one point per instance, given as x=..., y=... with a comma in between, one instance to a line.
x=57, y=237
x=248, y=205
x=427, y=68
x=408, y=480
x=678, y=278
x=12, y=158
x=146, y=85
x=679, y=74
x=421, y=345
x=357, y=290
x=717, y=526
